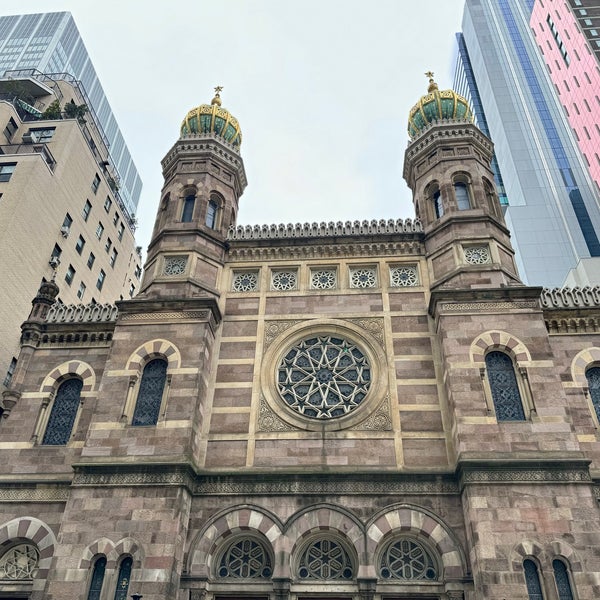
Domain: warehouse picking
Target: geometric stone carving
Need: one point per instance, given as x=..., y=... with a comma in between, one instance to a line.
x=274, y=329
x=477, y=255
x=404, y=276
x=269, y=421
x=380, y=420
x=373, y=325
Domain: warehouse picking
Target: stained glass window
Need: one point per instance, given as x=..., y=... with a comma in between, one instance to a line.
x=325, y=559
x=97, y=579
x=19, y=562
x=532, y=579
x=504, y=387
x=407, y=559
x=324, y=377
x=63, y=413
x=593, y=378
x=150, y=394
x=561, y=576
x=247, y=559
x=123, y=580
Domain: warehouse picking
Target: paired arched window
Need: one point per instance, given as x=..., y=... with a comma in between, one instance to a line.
x=123, y=579
x=593, y=379
x=97, y=580
x=532, y=579
x=63, y=413
x=561, y=577
x=504, y=387
x=150, y=393
x=187, y=211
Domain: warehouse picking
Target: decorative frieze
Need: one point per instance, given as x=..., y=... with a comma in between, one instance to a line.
x=570, y=297
x=82, y=313
x=33, y=494
x=197, y=315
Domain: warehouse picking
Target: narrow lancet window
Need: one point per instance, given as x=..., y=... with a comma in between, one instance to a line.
x=504, y=387
x=63, y=413
x=150, y=393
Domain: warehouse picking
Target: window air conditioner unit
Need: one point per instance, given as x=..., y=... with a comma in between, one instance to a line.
x=30, y=138
x=64, y=231
x=54, y=262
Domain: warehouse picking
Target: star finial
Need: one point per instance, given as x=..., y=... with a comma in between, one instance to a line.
x=432, y=84
x=217, y=99
x=219, y=89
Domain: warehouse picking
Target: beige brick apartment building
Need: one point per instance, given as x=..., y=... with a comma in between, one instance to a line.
x=357, y=411
x=60, y=210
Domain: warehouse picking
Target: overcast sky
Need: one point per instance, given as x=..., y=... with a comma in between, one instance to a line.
x=321, y=88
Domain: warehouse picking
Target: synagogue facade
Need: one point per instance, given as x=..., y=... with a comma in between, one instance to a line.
x=338, y=411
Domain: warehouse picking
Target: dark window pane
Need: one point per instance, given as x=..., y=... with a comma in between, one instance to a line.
x=150, y=394
x=123, y=580
x=97, y=579
x=562, y=580
x=532, y=579
x=62, y=415
x=504, y=387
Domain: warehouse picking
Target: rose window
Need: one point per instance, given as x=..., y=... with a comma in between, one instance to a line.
x=284, y=280
x=323, y=279
x=407, y=559
x=324, y=377
x=477, y=255
x=175, y=265
x=363, y=278
x=246, y=281
x=245, y=558
x=19, y=562
x=404, y=276
x=325, y=559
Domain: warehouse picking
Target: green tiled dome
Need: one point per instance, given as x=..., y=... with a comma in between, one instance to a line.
x=436, y=106
x=211, y=118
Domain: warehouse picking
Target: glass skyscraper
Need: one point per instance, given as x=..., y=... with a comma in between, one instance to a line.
x=553, y=206
x=50, y=43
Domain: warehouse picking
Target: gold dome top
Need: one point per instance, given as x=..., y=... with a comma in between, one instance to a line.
x=212, y=118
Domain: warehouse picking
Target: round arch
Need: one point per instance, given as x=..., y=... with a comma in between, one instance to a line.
x=498, y=340
x=157, y=348
x=69, y=368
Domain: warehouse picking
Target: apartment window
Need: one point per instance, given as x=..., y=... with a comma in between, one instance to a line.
x=67, y=221
x=87, y=209
x=90, y=261
x=583, y=12
x=11, y=371
x=69, y=275
x=131, y=290
x=121, y=231
x=587, y=105
x=107, y=204
x=80, y=244
x=96, y=183
x=81, y=291
x=116, y=218
x=41, y=134
x=108, y=245
x=10, y=128
x=57, y=251
x=576, y=108
x=101, y=279
x=6, y=171
x=588, y=22
x=138, y=271
x=99, y=230
x=113, y=257
x=576, y=81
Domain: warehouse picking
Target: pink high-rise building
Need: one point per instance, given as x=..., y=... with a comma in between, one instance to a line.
x=568, y=35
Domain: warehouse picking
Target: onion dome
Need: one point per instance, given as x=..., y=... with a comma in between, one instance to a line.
x=437, y=106
x=212, y=118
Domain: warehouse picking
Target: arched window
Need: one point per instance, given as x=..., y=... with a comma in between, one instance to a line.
x=504, y=387
x=593, y=379
x=461, y=191
x=63, y=413
x=97, y=579
x=407, y=559
x=188, y=208
x=325, y=558
x=150, y=393
x=561, y=576
x=436, y=197
x=532, y=579
x=245, y=559
x=123, y=579
x=211, y=212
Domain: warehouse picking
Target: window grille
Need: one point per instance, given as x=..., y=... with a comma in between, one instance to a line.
x=407, y=559
x=124, y=578
x=19, y=562
x=63, y=413
x=593, y=378
x=325, y=559
x=150, y=393
x=504, y=387
x=561, y=576
x=245, y=281
x=532, y=579
x=404, y=276
x=97, y=579
x=365, y=277
x=245, y=559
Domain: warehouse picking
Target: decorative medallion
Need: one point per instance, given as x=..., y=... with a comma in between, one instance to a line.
x=245, y=559
x=284, y=280
x=325, y=559
x=407, y=559
x=404, y=276
x=323, y=279
x=477, y=255
x=19, y=562
x=323, y=377
x=364, y=277
x=174, y=265
x=245, y=281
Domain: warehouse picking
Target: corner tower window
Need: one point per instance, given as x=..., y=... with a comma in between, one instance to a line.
x=436, y=199
x=63, y=413
x=504, y=387
x=461, y=192
x=188, y=208
x=151, y=392
x=211, y=213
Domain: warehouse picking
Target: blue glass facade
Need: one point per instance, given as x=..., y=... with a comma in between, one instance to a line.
x=553, y=208
x=51, y=43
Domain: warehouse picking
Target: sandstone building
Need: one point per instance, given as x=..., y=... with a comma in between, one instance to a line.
x=370, y=410
x=61, y=211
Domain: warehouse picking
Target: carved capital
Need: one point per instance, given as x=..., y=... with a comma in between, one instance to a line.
x=9, y=399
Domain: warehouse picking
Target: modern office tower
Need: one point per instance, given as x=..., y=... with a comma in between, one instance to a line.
x=61, y=213
x=339, y=411
x=50, y=43
x=553, y=205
